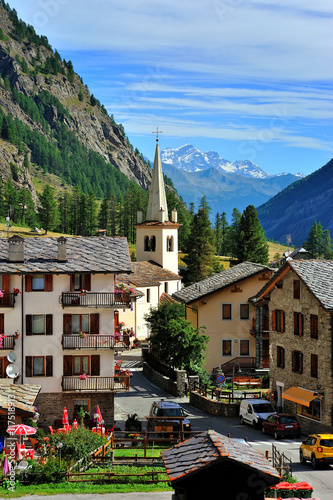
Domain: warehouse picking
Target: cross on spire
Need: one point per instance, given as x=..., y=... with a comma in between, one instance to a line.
x=157, y=132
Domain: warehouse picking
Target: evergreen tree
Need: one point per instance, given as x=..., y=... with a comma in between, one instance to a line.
x=48, y=211
x=200, y=258
x=232, y=234
x=251, y=242
x=327, y=245
x=314, y=243
x=224, y=234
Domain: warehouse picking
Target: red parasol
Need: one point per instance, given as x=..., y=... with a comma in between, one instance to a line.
x=21, y=430
x=75, y=424
x=18, y=454
x=98, y=416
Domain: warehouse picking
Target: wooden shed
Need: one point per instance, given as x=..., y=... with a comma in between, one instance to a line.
x=210, y=465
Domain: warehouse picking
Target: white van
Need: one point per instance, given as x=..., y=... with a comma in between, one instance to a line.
x=254, y=411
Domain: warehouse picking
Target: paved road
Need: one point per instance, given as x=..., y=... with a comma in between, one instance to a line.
x=143, y=393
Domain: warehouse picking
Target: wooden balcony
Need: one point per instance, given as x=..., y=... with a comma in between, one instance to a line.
x=8, y=299
x=88, y=342
x=95, y=299
x=8, y=343
x=96, y=384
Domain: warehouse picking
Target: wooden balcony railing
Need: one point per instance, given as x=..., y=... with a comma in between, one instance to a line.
x=88, y=342
x=96, y=384
x=8, y=300
x=95, y=299
x=8, y=342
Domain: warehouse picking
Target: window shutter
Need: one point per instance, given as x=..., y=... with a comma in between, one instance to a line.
x=300, y=325
x=68, y=366
x=295, y=323
x=2, y=323
x=274, y=320
x=49, y=366
x=5, y=364
x=293, y=361
x=48, y=282
x=87, y=282
x=94, y=324
x=28, y=283
x=28, y=366
x=67, y=324
x=28, y=324
x=282, y=321
x=72, y=283
x=49, y=324
x=95, y=365
x=282, y=355
x=300, y=362
x=6, y=283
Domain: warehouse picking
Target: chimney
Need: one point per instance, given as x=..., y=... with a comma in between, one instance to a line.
x=139, y=215
x=16, y=249
x=62, y=249
x=174, y=215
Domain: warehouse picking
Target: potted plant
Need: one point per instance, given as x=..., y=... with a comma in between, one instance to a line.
x=15, y=291
x=83, y=292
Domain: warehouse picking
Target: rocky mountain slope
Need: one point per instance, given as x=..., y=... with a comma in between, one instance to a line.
x=294, y=210
x=45, y=95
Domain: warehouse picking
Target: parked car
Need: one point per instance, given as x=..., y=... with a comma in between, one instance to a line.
x=281, y=425
x=318, y=449
x=254, y=411
x=167, y=425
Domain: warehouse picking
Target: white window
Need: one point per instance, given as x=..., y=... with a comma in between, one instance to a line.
x=38, y=282
x=244, y=311
x=226, y=311
x=226, y=347
x=244, y=347
x=38, y=324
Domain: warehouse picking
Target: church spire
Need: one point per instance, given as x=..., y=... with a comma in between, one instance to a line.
x=157, y=205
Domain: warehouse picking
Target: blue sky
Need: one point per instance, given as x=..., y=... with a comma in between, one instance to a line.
x=250, y=79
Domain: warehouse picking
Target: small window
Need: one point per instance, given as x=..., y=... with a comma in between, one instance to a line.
x=38, y=324
x=244, y=311
x=80, y=323
x=81, y=403
x=312, y=411
x=298, y=324
x=297, y=362
x=38, y=282
x=244, y=348
x=227, y=311
x=80, y=365
x=148, y=295
x=314, y=326
x=38, y=366
x=166, y=287
x=227, y=347
x=279, y=357
x=278, y=320
x=314, y=365
x=297, y=289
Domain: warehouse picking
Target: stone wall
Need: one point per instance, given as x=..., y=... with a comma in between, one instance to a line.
x=214, y=407
x=175, y=388
x=282, y=298
x=50, y=406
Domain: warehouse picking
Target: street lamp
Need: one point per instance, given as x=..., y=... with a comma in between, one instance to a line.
x=59, y=446
x=233, y=376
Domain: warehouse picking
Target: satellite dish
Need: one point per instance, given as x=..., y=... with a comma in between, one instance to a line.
x=12, y=357
x=12, y=371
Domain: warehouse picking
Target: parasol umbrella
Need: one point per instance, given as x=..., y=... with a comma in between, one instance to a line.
x=21, y=430
x=65, y=420
x=6, y=468
x=18, y=454
x=75, y=424
x=98, y=418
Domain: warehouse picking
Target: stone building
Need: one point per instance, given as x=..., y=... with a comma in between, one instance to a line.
x=300, y=301
x=57, y=320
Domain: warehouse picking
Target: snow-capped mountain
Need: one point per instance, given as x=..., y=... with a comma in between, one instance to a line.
x=190, y=159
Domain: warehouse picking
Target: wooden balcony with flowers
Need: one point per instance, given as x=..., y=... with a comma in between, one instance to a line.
x=87, y=341
x=7, y=299
x=117, y=299
x=86, y=383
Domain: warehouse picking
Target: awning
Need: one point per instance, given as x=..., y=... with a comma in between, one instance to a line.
x=300, y=396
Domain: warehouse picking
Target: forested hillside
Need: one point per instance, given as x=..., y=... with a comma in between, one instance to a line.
x=294, y=210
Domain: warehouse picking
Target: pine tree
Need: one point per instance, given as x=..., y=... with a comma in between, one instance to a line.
x=232, y=235
x=200, y=258
x=48, y=211
x=251, y=242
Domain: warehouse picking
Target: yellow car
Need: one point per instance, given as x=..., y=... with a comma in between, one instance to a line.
x=318, y=449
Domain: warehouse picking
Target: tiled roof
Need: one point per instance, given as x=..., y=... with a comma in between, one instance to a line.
x=165, y=297
x=84, y=255
x=21, y=396
x=148, y=273
x=317, y=275
x=218, y=281
x=210, y=446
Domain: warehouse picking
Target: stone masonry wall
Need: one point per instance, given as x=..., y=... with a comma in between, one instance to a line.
x=50, y=407
x=175, y=388
x=282, y=298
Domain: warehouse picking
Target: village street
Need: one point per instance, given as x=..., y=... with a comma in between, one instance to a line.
x=143, y=393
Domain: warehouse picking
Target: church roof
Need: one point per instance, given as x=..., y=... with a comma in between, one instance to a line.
x=157, y=197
